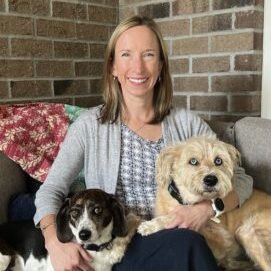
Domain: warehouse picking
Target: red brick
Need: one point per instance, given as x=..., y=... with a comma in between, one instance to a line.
x=178, y=66
x=233, y=42
x=249, y=19
x=3, y=47
x=16, y=68
x=97, y=50
x=181, y=7
x=180, y=101
x=211, y=64
x=102, y=14
x=222, y=4
x=160, y=10
x=92, y=32
x=190, y=46
x=70, y=49
x=31, y=48
x=246, y=103
x=95, y=86
x=54, y=68
x=235, y=83
x=191, y=84
x=88, y=68
x=248, y=62
x=15, y=25
x=175, y=28
x=56, y=29
x=69, y=10
x=4, y=90
x=36, y=7
x=212, y=23
x=71, y=87
x=209, y=103
x=24, y=89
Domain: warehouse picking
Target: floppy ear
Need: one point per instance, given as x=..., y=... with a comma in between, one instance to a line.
x=164, y=163
x=234, y=154
x=63, y=231
x=120, y=227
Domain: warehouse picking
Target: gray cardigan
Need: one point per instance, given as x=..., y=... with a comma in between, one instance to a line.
x=96, y=148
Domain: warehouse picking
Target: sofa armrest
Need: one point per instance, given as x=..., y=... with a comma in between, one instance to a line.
x=12, y=181
x=253, y=140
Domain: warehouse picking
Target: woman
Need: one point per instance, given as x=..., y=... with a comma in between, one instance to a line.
x=117, y=144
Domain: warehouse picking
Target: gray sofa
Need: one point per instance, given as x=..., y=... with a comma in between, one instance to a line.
x=251, y=135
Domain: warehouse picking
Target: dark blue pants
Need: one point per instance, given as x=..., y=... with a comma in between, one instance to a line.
x=168, y=250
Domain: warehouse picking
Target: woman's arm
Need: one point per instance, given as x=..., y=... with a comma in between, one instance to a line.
x=64, y=256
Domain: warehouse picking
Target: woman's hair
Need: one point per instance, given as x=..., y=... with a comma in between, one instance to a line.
x=112, y=94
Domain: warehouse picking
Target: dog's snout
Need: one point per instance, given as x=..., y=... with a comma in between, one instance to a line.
x=84, y=235
x=210, y=180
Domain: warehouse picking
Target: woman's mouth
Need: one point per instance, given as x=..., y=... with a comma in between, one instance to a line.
x=137, y=80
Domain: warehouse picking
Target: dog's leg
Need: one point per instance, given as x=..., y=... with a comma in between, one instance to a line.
x=4, y=261
x=154, y=225
x=255, y=237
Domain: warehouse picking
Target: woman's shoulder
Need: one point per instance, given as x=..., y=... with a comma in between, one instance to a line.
x=91, y=113
x=181, y=113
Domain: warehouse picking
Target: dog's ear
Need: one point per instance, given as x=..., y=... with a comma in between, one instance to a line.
x=234, y=154
x=164, y=163
x=63, y=231
x=120, y=227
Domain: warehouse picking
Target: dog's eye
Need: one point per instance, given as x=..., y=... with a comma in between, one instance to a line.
x=75, y=213
x=218, y=161
x=97, y=210
x=193, y=162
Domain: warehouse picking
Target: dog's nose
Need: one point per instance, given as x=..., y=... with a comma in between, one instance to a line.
x=84, y=235
x=210, y=180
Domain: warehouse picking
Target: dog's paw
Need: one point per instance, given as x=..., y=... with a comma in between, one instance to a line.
x=4, y=262
x=148, y=227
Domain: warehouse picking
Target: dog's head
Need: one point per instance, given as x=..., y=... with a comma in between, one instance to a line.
x=201, y=167
x=91, y=217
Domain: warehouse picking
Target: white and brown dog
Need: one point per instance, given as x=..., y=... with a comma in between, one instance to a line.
x=202, y=169
x=92, y=218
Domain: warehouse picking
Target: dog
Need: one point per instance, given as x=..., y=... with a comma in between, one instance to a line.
x=93, y=218
x=202, y=168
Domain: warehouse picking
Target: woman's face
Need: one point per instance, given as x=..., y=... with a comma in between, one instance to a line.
x=137, y=62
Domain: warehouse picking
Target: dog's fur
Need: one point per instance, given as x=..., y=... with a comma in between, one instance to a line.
x=92, y=218
x=243, y=237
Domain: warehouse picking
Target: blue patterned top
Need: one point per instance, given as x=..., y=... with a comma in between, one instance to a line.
x=136, y=186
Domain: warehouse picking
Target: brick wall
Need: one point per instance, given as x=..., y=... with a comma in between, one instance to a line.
x=215, y=49
x=53, y=51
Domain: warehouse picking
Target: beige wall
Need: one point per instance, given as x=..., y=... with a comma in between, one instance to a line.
x=53, y=51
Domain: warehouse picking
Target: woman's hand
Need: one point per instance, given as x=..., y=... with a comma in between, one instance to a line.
x=65, y=256
x=192, y=217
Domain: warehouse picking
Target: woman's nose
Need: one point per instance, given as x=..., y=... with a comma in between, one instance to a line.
x=138, y=64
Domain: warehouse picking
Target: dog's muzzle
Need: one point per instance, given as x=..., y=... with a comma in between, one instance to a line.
x=84, y=234
x=210, y=180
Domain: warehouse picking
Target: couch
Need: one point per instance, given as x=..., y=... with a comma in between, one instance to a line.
x=251, y=135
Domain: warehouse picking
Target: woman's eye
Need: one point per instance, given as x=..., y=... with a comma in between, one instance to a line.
x=124, y=54
x=97, y=210
x=218, y=161
x=193, y=162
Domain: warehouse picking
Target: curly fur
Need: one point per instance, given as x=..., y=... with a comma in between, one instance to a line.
x=243, y=237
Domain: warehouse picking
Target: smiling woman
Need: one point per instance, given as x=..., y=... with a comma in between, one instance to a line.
x=117, y=145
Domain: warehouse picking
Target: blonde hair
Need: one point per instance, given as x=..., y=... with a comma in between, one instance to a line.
x=112, y=95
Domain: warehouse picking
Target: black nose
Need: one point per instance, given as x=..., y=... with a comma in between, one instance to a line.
x=84, y=235
x=210, y=180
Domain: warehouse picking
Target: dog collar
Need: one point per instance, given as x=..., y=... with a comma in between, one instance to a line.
x=174, y=191
x=93, y=247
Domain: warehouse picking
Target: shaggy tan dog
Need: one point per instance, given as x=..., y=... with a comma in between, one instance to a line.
x=243, y=236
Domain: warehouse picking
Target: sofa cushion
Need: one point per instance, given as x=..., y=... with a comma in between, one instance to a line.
x=253, y=139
